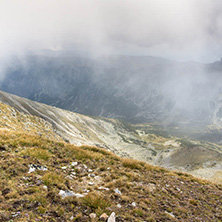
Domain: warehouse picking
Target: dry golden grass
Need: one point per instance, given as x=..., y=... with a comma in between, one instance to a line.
x=158, y=193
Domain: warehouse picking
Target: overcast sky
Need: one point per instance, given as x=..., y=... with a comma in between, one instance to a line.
x=177, y=29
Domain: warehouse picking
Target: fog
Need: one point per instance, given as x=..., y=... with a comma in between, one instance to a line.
x=181, y=30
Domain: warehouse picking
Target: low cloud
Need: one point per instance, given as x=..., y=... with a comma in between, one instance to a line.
x=182, y=30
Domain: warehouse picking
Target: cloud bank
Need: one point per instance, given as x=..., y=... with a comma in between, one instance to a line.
x=181, y=30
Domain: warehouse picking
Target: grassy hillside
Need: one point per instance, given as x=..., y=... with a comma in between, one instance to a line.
x=38, y=169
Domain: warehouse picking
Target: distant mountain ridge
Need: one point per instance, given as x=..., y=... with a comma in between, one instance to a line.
x=135, y=89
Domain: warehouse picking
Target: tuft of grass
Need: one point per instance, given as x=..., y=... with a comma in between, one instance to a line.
x=132, y=164
x=81, y=154
x=54, y=179
x=38, y=153
x=138, y=212
x=95, y=201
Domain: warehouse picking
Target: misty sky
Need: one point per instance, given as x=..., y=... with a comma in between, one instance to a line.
x=177, y=29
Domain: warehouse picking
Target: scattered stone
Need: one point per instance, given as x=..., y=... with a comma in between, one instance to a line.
x=64, y=167
x=15, y=214
x=119, y=205
x=92, y=175
x=45, y=187
x=69, y=177
x=74, y=163
x=66, y=193
x=85, y=190
x=117, y=191
x=170, y=214
x=93, y=217
x=78, y=195
x=134, y=204
x=90, y=170
x=103, y=217
x=103, y=188
x=112, y=217
x=108, y=168
x=71, y=218
x=84, y=165
x=34, y=167
x=25, y=178
x=91, y=183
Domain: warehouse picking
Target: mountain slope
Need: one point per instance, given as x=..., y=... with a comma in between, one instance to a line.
x=143, y=142
x=45, y=180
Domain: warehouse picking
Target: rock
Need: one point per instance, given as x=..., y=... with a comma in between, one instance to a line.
x=117, y=191
x=69, y=177
x=64, y=167
x=93, y=217
x=170, y=214
x=66, y=193
x=78, y=195
x=103, y=217
x=112, y=217
x=34, y=167
x=45, y=187
x=92, y=175
x=119, y=205
x=15, y=214
x=85, y=166
x=85, y=190
x=74, y=163
x=90, y=170
x=71, y=218
x=103, y=188
x=91, y=183
x=134, y=204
